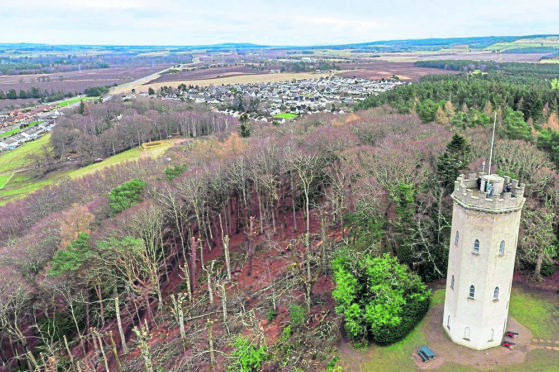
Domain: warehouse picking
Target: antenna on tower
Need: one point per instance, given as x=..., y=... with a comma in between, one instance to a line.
x=492, y=141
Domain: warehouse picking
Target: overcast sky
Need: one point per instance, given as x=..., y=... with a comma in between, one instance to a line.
x=285, y=22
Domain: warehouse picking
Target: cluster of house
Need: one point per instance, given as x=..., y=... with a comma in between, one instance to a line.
x=33, y=127
x=266, y=100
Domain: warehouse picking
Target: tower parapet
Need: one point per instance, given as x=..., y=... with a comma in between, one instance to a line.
x=488, y=193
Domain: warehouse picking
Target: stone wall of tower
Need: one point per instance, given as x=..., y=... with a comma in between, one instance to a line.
x=480, y=322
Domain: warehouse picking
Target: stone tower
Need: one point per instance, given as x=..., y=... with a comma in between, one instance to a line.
x=485, y=222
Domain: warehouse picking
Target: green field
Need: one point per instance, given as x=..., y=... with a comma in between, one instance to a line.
x=20, y=157
x=74, y=100
x=526, y=43
x=18, y=177
x=285, y=115
x=4, y=179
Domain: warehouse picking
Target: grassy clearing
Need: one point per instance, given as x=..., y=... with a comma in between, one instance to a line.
x=536, y=312
x=74, y=100
x=26, y=182
x=152, y=149
x=19, y=158
x=285, y=115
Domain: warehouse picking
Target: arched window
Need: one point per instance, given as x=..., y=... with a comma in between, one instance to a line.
x=476, y=246
x=502, y=248
x=472, y=291
x=456, y=238
x=467, y=333
x=448, y=322
x=452, y=282
x=496, y=293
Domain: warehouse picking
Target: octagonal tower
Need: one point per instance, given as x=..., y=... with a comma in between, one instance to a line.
x=485, y=223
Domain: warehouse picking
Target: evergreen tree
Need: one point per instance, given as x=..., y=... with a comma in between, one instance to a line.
x=452, y=161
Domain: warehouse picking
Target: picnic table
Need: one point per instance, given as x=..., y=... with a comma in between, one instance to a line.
x=426, y=353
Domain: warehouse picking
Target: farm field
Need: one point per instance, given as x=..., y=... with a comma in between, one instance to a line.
x=524, y=301
x=527, y=43
x=76, y=81
x=236, y=79
x=209, y=73
x=18, y=178
x=382, y=69
x=474, y=55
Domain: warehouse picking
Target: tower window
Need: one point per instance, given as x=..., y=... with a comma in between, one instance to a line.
x=502, y=248
x=496, y=294
x=452, y=282
x=491, y=335
x=448, y=322
x=476, y=246
x=472, y=291
x=456, y=238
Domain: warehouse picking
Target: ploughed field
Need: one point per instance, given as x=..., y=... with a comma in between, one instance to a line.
x=76, y=81
x=383, y=69
x=207, y=73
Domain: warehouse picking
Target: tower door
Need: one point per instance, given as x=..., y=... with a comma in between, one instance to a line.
x=467, y=333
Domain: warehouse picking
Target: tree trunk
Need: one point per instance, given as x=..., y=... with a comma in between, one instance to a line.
x=115, y=352
x=120, y=329
x=209, y=324
x=70, y=355
x=250, y=246
x=227, y=259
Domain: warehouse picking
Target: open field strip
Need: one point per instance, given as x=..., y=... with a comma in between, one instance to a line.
x=75, y=100
x=137, y=84
x=24, y=181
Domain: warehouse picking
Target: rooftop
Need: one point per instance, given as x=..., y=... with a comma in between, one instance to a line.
x=488, y=193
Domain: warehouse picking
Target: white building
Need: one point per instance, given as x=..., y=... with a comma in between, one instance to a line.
x=481, y=258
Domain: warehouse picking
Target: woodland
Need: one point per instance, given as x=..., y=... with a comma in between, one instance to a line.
x=250, y=252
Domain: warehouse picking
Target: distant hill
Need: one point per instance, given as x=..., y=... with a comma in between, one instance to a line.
x=509, y=44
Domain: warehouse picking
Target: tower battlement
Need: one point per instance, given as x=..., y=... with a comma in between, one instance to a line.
x=488, y=193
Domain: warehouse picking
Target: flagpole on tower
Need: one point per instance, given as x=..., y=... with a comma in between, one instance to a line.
x=492, y=141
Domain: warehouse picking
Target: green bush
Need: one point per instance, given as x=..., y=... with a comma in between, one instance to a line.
x=175, y=171
x=125, y=196
x=380, y=298
x=297, y=314
x=271, y=314
x=247, y=356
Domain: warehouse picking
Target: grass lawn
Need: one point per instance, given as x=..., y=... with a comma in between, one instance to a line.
x=4, y=179
x=152, y=149
x=536, y=312
x=285, y=115
x=18, y=158
x=74, y=100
